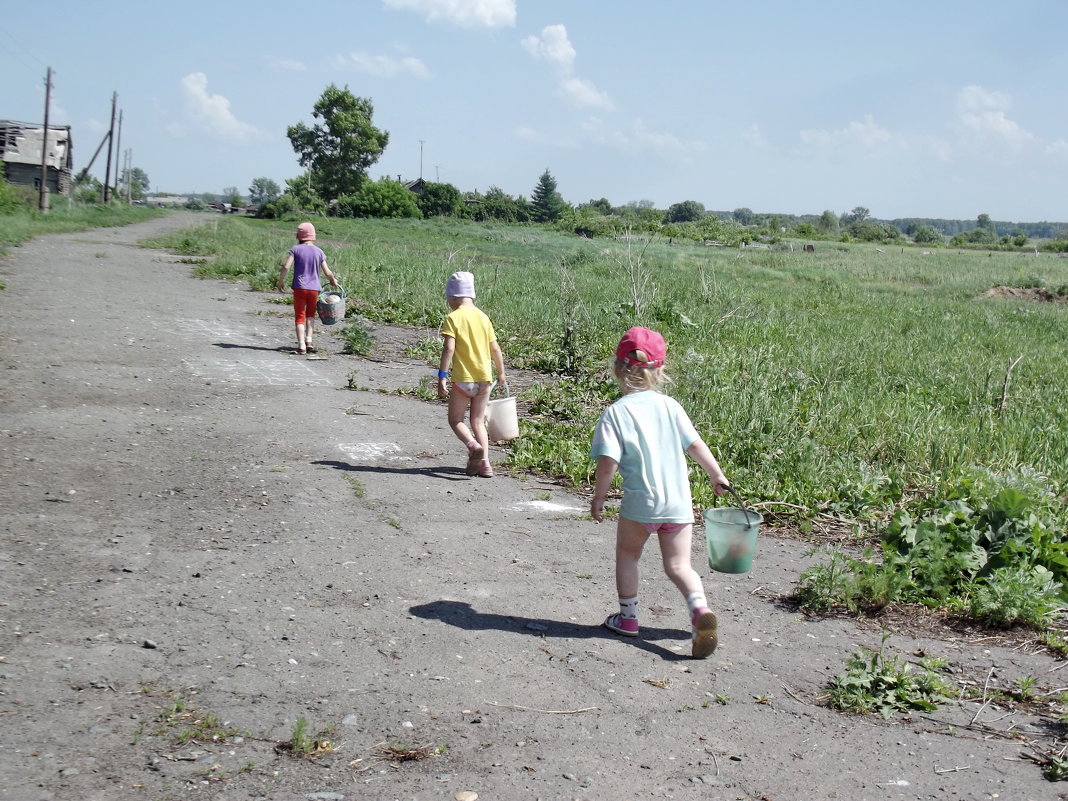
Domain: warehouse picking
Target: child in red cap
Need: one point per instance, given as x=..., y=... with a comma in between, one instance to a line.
x=646, y=436
x=306, y=260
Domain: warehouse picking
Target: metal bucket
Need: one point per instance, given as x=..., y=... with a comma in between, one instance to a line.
x=731, y=536
x=502, y=417
x=331, y=305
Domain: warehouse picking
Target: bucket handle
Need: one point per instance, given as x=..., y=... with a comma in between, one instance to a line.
x=339, y=289
x=507, y=391
x=741, y=503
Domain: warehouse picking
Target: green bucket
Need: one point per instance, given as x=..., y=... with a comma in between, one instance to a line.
x=731, y=534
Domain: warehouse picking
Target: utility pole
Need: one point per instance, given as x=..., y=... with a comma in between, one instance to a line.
x=437, y=174
x=118, y=155
x=42, y=200
x=111, y=140
x=421, y=159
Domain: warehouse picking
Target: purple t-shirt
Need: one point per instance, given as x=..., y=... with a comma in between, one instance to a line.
x=307, y=259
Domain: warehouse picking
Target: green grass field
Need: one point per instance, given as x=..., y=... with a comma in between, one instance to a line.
x=847, y=379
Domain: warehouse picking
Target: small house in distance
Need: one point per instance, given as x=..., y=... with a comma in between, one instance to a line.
x=21, y=144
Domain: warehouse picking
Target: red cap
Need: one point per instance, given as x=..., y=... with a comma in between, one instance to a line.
x=305, y=232
x=643, y=339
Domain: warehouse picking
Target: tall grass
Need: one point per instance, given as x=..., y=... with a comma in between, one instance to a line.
x=846, y=381
x=23, y=224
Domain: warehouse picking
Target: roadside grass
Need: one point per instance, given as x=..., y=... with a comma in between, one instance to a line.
x=181, y=722
x=891, y=393
x=303, y=744
x=66, y=217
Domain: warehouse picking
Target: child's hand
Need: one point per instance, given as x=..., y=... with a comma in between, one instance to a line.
x=721, y=487
x=443, y=391
x=597, y=509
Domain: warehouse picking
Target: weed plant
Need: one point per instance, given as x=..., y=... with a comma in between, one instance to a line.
x=875, y=682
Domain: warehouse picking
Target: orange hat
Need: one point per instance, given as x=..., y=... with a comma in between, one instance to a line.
x=305, y=232
x=645, y=340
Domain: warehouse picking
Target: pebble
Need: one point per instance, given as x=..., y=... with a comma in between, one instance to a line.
x=150, y=644
x=325, y=796
x=350, y=720
x=466, y=795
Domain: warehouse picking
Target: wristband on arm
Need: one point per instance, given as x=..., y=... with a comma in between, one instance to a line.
x=443, y=373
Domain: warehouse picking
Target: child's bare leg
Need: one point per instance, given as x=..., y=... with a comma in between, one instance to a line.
x=478, y=421
x=458, y=403
x=675, y=551
x=630, y=540
x=300, y=336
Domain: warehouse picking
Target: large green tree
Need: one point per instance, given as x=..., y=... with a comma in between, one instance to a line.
x=263, y=190
x=440, y=200
x=686, y=211
x=139, y=183
x=338, y=150
x=545, y=201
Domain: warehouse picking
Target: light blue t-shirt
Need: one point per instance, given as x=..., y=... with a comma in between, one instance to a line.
x=647, y=434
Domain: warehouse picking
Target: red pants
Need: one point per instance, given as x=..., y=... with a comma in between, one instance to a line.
x=304, y=301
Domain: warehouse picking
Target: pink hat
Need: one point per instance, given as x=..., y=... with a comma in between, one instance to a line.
x=305, y=232
x=645, y=340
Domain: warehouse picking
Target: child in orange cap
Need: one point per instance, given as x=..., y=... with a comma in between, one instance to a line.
x=647, y=436
x=306, y=260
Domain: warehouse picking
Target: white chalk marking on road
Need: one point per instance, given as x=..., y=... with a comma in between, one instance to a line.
x=273, y=372
x=544, y=506
x=374, y=452
x=222, y=330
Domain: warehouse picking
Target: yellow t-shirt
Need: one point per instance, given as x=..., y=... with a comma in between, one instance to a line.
x=473, y=332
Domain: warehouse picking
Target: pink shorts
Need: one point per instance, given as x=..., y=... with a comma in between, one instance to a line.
x=664, y=528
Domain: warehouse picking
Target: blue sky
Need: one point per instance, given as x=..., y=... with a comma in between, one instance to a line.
x=928, y=109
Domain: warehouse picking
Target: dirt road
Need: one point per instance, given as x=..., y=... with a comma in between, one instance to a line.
x=205, y=539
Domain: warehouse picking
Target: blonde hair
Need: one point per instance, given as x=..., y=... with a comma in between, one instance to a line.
x=635, y=378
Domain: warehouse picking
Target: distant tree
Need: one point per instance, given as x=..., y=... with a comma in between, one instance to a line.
x=263, y=190
x=743, y=216
x=827, y=222
x=232, y=196
x=440, y=200
x=139, y=183
x=924, y=234
x=195, y=204
x=686, y=211
x=1019, y=239
x=601, y=206
x=546, y=202
x=984, y=221
x=338, y=151
x=858, y=214
x=870, y=231
x=383, y=198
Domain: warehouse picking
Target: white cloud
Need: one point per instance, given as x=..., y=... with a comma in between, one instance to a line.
x=290, y=64
x=584, y=94
x=212, y=112
x=865, y=133
x=462, y=13
x=753, y=136
x=639, y=139
x=384, y=66
x=981, y=113
x=1058, y=148
x=552, y=46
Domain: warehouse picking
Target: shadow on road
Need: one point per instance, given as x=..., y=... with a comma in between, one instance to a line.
x=447, y=473
x=461, y=615
x=230, y=345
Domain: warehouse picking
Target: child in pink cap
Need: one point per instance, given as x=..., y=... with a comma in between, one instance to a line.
x=306, y=260
x=646, y=436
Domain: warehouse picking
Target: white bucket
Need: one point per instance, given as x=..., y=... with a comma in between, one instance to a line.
x=502, y=418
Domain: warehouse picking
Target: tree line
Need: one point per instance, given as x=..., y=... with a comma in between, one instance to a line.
x=339, y=147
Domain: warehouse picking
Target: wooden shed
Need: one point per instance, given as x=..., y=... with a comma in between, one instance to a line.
x=20, y=152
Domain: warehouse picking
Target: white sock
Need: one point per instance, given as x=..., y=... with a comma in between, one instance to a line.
x=696, y=600
x=628, y=608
